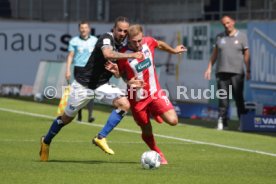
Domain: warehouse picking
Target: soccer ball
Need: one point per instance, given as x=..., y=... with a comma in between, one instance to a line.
x=150, y=160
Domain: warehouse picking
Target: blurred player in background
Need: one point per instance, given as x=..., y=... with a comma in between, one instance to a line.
x=144, y=91
x=231, y=53
x=80, y=49
x=92, y=82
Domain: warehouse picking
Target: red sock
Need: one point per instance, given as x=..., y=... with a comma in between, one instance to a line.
x=149, y=140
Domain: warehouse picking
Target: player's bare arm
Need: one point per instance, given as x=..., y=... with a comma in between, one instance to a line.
x=68, y=65
x=111, y=54
x=165, y=47
x=133, y=82
x=213, y=58
x=247, y=63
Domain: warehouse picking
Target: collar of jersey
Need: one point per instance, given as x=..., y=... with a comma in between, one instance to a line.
x=83, y=38
x=236, y=34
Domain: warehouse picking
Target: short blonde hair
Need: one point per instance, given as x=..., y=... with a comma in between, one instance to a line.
x=134, y=30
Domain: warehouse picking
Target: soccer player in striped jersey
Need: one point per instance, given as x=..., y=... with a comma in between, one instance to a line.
x=144, y=92
x=92, y=82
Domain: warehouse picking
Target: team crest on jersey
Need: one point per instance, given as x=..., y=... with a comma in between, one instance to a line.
x=80, y=49
x=143, y=65
x=147, y=53
x=222, y=41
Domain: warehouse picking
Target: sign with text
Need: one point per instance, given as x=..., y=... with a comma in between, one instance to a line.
x=24, y=44
x=262, y=41
x=252, y=122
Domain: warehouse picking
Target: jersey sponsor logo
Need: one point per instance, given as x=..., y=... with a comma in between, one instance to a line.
x=143, y=65
x=106, y=41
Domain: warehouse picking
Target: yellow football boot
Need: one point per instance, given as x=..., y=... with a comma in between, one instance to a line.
x=103, y=145
x=44, y=150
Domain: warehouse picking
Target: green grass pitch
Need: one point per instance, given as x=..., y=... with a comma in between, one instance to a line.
x=196, y=152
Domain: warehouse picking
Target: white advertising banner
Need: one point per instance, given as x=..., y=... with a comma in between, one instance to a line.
x=24, y=44
x=182, y=75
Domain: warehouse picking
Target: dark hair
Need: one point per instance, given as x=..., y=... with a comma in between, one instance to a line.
x=228, y=16
x=84, y=22
x=120, y=19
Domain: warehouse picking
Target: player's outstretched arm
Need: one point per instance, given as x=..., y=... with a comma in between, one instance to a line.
x=165, y=47
x=111, y=54
x=133, y=82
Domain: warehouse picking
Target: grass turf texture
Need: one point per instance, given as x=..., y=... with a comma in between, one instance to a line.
x=73, y=159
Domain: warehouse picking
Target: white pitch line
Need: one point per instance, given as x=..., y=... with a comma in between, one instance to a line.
x=157, y=135
x=76, y=141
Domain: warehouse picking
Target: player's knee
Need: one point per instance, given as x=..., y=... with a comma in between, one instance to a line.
x=126, y=106
x=66, y=119
x=173, y=121
x=122, y=103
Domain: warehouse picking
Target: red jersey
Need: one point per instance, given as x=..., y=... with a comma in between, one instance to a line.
x=143, y=70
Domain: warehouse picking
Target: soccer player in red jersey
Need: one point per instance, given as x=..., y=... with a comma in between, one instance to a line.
x=144, y=92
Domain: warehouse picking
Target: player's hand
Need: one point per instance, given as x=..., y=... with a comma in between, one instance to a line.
x=136, y=83
x=138, y=55
x=68, y=75
x=207, y=74
x=113, y=68
x=179, y=49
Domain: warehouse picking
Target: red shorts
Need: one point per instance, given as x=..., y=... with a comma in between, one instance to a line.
x=156, y=107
